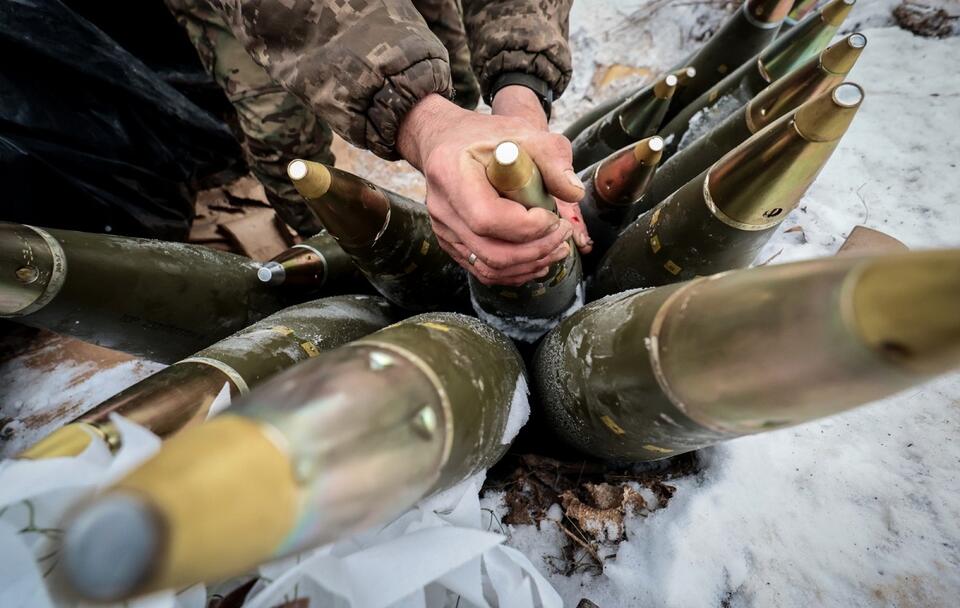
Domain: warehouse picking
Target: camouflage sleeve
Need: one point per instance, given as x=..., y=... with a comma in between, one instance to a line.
x=360, y=65
x=528, y=36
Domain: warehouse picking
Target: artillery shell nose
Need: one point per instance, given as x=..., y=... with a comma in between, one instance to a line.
x=109, y=548
x=507, y=153
x=271, y=273
x=297, y=170
x=848, y=95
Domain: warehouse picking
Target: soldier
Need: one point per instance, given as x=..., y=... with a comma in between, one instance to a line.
x=376, y=74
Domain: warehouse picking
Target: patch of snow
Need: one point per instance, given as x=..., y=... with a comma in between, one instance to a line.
x=526, y=329
x=860, y=509
x=519, y=411
x=70, y=389
x=706, y=119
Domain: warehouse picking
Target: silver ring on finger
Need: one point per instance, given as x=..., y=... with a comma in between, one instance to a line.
x=472, y=259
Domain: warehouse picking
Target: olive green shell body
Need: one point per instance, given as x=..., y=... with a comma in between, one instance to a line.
x=609, y=135
x=690, y=162
x=679, y=239
x=405, y=412
x=597, y=112
x=481, y=373
x=783, y=55
x=150, y=298
x=527, y=312
x=405, y=262
x=182, y=393
x=736, y=42
x=603, y=225
x=738, y=39
x=598, y=390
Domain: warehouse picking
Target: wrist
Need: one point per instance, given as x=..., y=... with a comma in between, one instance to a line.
x=418, y=132
x=520, y=102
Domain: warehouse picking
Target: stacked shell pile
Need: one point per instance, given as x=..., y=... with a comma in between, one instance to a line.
x=344, y=410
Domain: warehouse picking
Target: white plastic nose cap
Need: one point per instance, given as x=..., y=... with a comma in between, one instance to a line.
x=857, y=41
x=297, y=170
x=507, y=153
x=110, y=547
x=656, y=144
x=848, y=95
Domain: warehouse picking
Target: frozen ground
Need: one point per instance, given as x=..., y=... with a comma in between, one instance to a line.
x=862, y=509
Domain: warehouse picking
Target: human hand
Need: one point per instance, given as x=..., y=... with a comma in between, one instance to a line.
x=451, y=146
x=520, y=102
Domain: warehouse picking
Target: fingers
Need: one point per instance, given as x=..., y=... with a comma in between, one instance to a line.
x=554, y=157
x=488, y=276
x=482, y=270
x=571, y=213
x=485, y=214
x=496, y=253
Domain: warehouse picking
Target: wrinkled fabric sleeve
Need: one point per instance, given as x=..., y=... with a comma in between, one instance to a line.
x=528, y=36
x=359, y=64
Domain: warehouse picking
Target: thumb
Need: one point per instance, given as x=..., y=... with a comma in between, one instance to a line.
x=554, y=157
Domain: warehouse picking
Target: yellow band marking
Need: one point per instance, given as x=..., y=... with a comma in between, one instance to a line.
x=613, y=426
x=652, y=448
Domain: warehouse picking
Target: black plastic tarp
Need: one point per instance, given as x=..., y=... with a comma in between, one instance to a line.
x=90, y=138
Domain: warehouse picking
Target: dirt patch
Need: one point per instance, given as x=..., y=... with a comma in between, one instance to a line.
x=928, y=19
x=588, y=500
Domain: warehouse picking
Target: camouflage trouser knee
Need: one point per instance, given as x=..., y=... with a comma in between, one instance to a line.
x=276, y=126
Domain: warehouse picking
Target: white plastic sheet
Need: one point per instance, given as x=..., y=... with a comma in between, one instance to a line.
x=35, y=494
x=432, y=556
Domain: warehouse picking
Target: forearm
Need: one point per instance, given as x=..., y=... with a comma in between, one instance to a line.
x=527, y=36
x=361, y=67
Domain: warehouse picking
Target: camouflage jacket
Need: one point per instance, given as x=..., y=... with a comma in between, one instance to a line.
x=362, y=64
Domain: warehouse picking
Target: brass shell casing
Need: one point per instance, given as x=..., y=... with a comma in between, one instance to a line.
x=786, y=53
x=158, y=300
x=316, y=262
x=67, y=441
x=339, y=444
x=515, y=176
x=526, y=312
x=788, y=155
x=181, y=395
x=685, y=75
x=806, y=39
x=388, y=237
x=635, y=119
x=720, y=220
x=780, y=98
x=662, y=89
x=681, y=367
x=224, y=497
x=612, y=187
x=354, y=211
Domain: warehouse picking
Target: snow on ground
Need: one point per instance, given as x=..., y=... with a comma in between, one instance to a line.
x=856, y=510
